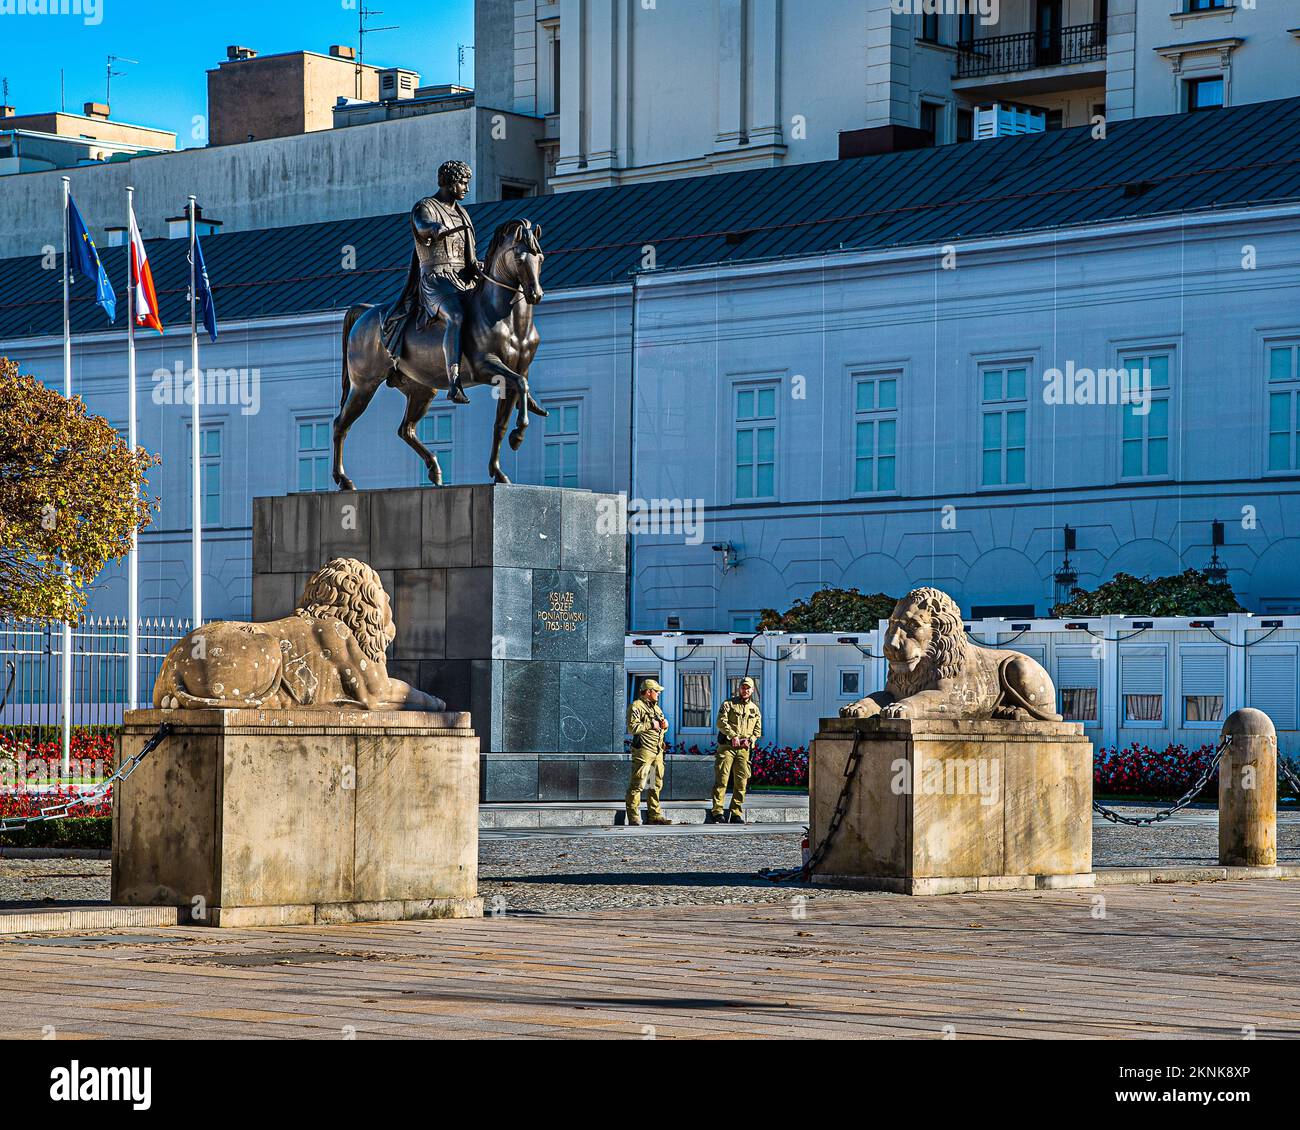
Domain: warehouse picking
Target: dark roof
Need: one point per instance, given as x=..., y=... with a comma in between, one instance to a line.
x=1246, y=155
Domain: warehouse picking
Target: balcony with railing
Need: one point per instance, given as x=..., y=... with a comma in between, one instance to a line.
x=1010, y=55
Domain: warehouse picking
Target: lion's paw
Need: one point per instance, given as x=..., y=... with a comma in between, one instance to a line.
x=896, y=710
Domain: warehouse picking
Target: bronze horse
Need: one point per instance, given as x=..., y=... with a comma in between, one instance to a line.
x=499, y=341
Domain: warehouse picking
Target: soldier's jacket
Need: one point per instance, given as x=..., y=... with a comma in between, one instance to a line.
x=644, y=724
x=739, y=719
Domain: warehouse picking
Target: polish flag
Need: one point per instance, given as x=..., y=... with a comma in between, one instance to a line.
x=146, y=298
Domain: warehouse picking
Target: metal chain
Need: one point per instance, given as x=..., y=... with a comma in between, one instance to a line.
x=1284, y=768
x=837, y=818
x=1182, y=802
x=97, y=794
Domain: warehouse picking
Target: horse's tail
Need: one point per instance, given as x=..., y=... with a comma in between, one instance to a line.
x=350, y=320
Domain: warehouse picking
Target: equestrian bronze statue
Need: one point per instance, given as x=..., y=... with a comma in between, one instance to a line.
x=457, y=322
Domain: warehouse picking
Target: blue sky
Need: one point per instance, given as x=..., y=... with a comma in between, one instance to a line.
x=176, y=45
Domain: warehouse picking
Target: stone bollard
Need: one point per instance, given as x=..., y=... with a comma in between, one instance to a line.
x=1248, y=791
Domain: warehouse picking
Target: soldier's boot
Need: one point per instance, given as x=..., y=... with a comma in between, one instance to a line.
x=712, y=817
x=455, y=390
x=737, y=818
x=633, y=819
x=658, y=818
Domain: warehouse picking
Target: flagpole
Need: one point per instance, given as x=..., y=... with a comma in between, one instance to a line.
x=196, y=516
x=67, y=392
x=133, y=562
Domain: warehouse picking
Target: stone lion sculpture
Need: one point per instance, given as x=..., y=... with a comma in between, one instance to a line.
x=329, y=653
x=935, y=672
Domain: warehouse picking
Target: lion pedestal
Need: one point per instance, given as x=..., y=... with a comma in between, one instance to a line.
x=942, y=806
x=966, y=780
x=294, y=817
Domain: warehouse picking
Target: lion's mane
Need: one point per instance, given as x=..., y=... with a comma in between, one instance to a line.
x=948, y=652
x=350, y=591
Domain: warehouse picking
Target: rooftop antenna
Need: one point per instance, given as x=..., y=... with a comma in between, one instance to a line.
x=111, y=74
x=63, y=96
x=461, y=48
x=363, y=13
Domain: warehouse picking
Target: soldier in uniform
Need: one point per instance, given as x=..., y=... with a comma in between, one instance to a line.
x=740, y=725
x=443, y=266
x=647, y=725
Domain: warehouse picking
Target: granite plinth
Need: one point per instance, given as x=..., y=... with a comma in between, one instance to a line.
x=509, y=600
x=280, y=817
x=943, y=806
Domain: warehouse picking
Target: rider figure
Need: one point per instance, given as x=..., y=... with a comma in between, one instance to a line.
x=443, y=266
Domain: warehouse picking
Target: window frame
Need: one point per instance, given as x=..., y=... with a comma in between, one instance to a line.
x=444, y=449
x=206, y=427
x=1080, y=652
x=754, y=424
x=312, y=419
x=1289, y=388
x=1219, y=651
x=875, y=416
x=563, y=439
x=1002, y=408
x=1194, y=83
x=1143, y=354
x=851, y=669
x=712, y=713
x=1141, y=651
x=799, y=669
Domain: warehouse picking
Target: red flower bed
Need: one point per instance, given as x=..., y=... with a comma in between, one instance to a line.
x=769, y=765
x=780, y=765
x=83, y=746
x=30, y=804
x=1139, y=770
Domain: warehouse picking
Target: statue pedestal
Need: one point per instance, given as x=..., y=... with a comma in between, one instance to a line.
x=299, y=817
x=509, y=601
x=943, y=807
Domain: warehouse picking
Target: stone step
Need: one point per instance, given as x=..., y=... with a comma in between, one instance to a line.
x=761, y=809
x=41, y=921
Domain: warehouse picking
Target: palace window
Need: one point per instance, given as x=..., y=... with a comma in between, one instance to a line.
x=435, y=432
x=1145, y=441
x=313, y=455
x=210, y=475
x=563, y=444
x=1204, y=93
x=755, y=441
x=875, y=433
x=1283, y=407
x=1005, y=411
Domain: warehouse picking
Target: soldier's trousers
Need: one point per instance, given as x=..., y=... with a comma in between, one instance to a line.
x=647, y=773
x=733, y=763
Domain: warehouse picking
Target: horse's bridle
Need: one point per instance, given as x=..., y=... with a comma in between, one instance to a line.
x=504, y=286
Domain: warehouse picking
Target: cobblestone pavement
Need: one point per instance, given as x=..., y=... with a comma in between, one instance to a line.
x=604, y=869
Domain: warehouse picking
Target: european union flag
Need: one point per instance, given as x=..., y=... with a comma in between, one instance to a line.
x=203, y=290
x=85, y=257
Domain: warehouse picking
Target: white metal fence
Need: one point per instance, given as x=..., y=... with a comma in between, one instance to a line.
x=1155, y=681
x=31, y=667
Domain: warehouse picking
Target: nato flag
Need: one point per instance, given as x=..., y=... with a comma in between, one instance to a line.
x=85, y=257
x=203, y=291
